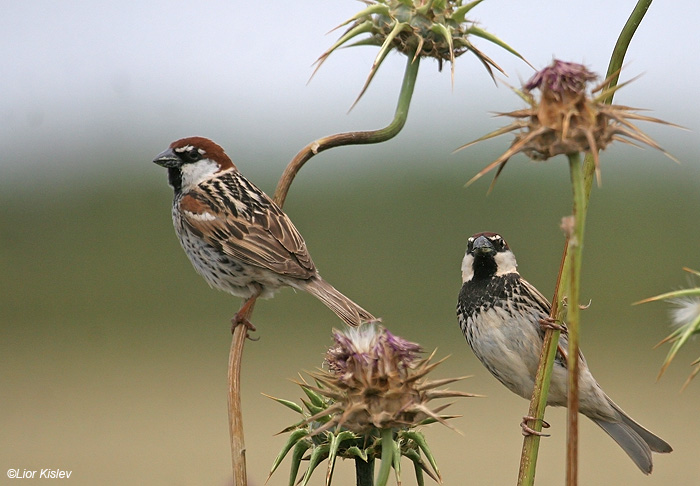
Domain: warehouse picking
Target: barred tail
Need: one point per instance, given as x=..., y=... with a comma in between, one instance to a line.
x=351, y=313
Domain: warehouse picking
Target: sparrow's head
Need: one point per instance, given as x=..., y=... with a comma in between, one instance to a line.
x=487, y=255
x=193, y=160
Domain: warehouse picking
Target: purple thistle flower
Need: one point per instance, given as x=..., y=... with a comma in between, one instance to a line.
x=561, y=78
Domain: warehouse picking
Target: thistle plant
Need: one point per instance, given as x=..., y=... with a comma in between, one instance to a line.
x=685, y=317
x=567, y=118
x=367, y=404
x=417, y=28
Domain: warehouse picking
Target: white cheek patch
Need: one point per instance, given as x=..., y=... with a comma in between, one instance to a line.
x=193, y=174
x=467, y=268
x=505, y=262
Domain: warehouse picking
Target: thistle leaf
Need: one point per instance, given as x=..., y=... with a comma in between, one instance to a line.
x=317, y=455
x=442, y=30
x=695, y=371
x=689, y=270
x=357, y=452
x=687, y=331
x=354, y=31
x=383, y=51
x=297, y=456
x=419, y=439
x=672, y=295
x=460, y=14
x=314, y=396
x=293, y=440
x=479, y=32
x=376, y=8
x=286, y=403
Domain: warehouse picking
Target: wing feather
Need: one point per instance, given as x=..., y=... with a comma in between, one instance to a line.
x=546, y=308
x=248, y=226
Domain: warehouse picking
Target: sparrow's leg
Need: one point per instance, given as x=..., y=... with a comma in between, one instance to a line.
x=527, y=430
x=241, y=317
x=549, y=323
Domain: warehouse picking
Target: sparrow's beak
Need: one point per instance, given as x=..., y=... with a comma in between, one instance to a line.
x=483, y=246
x=168, y=159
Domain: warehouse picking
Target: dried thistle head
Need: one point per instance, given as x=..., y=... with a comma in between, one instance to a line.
x=568, y=118
x=371, y=395
x=416, y=28
x=377, y=381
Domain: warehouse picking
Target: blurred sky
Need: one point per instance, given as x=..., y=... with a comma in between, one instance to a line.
x=89, y=83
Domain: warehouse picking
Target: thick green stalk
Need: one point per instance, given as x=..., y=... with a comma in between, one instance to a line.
x=354, y=138
x=387, y=457
x=364, y=472
x=528, y=459
x=531, y=443
x=573, y=316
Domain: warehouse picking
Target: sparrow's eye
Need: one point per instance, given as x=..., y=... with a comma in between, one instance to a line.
x=193, y=155
x=500, y=244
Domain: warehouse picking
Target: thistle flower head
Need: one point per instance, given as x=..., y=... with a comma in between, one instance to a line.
x=562, y=80
x=567, y=118
x=685, y=318
x=416, y=28
x=361, y=355
x=371, y=396
x=376, y=379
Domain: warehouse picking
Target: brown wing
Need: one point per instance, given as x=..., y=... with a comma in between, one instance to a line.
x=545, y=306
x=234, y=216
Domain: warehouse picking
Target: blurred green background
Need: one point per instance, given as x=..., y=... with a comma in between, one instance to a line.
x=114, y=352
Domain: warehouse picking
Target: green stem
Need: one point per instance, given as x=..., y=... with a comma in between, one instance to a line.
x=364, y=472
x=531, y=443
x=528, y=460
x=573, y=316
x=387, y=456
x=354, y=138
x=623, y=42
x=614, y=67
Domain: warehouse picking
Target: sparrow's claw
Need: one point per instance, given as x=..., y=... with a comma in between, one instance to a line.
x=239, y=320
x=549, y=323
x=527, y=430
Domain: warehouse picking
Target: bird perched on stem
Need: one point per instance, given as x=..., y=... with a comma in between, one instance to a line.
x=236, y=237
x=504, y=317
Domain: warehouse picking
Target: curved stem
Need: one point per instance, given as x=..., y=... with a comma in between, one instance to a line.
x=614, y=68
x=353, y=138
x=235, y=417
x=240, y=331
x=235, y=411
x=623, y=42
